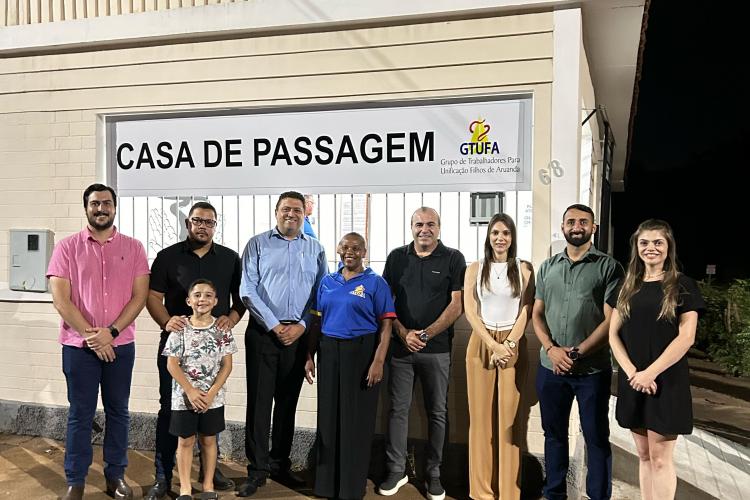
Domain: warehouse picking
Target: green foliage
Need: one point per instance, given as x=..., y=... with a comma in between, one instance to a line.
x=711, y=325
x=724, y=331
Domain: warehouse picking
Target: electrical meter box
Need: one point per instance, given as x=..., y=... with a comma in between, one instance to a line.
x=30, y=251
x=484, y=206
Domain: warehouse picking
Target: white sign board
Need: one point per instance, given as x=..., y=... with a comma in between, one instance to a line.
x=454, y=146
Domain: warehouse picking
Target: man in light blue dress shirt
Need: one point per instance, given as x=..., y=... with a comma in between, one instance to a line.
x=281, y=271
x=309, y=206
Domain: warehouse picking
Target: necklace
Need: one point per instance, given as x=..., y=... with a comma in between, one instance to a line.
x=494, y=270
x=650, y=276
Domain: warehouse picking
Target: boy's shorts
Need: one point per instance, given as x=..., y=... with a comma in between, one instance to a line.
x=186, y=423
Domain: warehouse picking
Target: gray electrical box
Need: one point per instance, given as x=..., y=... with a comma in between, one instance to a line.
x=30, y=251
x=484, y=206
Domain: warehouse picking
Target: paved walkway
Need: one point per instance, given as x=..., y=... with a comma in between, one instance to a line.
x=708, y=467
x=31, y=469
x=704, y=461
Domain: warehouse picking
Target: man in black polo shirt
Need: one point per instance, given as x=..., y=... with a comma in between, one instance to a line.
x=426, y=279
x=172, y=272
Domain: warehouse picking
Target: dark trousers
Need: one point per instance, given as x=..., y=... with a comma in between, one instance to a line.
x=84, y=373
x=556, y=393
x=274, y=374
x=433, y=370
x=346, y=416
x=166, y=443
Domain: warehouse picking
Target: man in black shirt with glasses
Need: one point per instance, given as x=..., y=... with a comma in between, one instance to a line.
x=173, y=270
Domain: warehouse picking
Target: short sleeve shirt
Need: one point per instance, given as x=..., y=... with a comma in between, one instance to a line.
x=101, y=277
x=200, y=351
x=574, y=294
x=353, y=308
x=646, y=335
x=422, y=287
x=177, y=266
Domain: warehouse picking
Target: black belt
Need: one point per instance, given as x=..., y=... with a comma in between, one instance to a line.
x=289, y=321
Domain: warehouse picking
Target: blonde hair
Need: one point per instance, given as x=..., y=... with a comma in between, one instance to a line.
x=636, y=270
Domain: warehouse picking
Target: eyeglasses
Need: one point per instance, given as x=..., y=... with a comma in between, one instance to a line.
x=197, y=221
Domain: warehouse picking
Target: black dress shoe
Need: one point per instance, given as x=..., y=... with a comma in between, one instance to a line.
x=221, y=482
x=288, y=479
x=119, y=489
x=158, y=490
x=248, y=488
x=74, y=492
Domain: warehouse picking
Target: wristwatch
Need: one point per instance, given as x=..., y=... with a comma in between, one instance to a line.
x=511, y=343
x=574, y=354
x=424, y=336
x=114, y=331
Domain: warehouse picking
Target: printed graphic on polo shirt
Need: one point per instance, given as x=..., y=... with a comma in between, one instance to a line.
x=359, y=291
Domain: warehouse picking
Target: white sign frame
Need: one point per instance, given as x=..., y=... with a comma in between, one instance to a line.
x=480, y=143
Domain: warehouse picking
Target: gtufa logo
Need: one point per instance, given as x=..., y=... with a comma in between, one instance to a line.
x=359, y=291
x=479, y=143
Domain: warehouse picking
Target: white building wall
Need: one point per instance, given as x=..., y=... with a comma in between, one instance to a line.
x=566, y=113
x=593, y=150
x=49, y=104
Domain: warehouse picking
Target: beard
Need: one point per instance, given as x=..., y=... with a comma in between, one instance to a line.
x=576, y=240
x=100, y=226
x=197, y=243
x=289, y=228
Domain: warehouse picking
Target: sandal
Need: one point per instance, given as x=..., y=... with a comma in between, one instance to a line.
x=184, y=497
x=208, y=495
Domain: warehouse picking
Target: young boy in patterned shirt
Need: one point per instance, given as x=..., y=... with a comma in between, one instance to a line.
x=200, y=360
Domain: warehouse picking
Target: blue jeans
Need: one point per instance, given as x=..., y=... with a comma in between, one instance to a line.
x=556, y=393
x=166, y=443
x=84, y=373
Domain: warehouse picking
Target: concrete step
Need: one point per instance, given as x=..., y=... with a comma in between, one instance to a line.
x=709, y=375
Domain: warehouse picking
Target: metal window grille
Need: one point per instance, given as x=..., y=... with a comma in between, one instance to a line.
x=383, y=218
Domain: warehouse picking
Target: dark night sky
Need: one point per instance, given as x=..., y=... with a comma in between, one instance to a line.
x=688, y=162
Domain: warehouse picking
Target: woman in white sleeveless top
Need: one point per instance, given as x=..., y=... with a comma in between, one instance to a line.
x=498, y=295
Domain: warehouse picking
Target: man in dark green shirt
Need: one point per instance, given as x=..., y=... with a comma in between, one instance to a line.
x=576, y=291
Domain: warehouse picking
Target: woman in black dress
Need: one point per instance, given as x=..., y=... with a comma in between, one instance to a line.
x=651, y=330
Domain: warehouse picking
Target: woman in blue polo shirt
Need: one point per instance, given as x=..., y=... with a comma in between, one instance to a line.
x=356, y=309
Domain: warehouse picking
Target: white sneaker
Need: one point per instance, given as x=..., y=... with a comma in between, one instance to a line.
x=434, y=489
x=393, y=482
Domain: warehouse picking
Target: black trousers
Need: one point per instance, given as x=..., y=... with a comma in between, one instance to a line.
x=274, y=375
x=346, y=416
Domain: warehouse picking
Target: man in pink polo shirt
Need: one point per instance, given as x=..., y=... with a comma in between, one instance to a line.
x=99, y=282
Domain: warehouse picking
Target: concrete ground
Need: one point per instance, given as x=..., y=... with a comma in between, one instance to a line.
x=31, y=468
x=721, y=403
x=708, y=466
x=712, y=463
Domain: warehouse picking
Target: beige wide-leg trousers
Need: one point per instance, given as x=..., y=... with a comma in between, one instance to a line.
x=494, y=447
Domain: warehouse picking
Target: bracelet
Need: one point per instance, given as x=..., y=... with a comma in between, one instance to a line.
x=548, y=348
